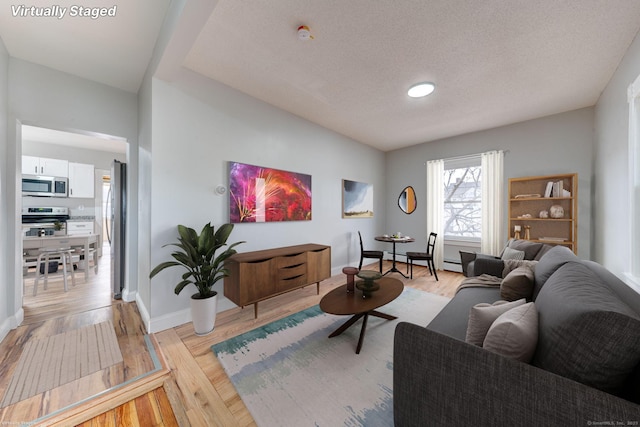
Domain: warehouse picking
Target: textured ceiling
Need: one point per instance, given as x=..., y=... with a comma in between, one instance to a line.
x=494, y=62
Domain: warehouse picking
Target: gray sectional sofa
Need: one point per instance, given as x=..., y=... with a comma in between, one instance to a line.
x=585, y=369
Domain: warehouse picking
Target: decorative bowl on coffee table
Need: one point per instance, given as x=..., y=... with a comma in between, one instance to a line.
x=368, y=284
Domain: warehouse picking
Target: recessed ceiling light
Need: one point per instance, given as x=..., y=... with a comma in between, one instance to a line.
x=419, y=90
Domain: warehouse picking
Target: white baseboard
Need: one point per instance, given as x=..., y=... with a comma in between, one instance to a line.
x=177, y=318
x=169, y=320
x=144, y=313
x=449, y=266
x=10, y=323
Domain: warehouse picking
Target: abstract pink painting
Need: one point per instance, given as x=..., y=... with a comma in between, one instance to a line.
x=258, y=194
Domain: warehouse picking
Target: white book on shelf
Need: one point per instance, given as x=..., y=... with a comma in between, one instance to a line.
x=547, y=191
x=557, y=189
x=566, y=193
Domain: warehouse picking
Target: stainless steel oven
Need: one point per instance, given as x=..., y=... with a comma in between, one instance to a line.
x=39, y=221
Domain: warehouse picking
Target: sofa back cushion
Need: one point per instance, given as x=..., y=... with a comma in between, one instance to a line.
x=529, y=248
x=543, y=250
x=553, y=259
x=586, y=332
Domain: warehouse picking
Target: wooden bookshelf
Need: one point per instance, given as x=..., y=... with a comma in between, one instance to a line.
x=527, y=196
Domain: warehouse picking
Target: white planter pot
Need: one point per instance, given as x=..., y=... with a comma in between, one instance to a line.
x=203, y=314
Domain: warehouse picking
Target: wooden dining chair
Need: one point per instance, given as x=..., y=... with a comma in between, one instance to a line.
x=369, y=254
x=424, y=256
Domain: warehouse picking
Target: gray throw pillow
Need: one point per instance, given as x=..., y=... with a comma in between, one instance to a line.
x=530, y=248
x=512, y=264
x=515, y=333
x=482, y=316
x=512, y=254
x=517, y=284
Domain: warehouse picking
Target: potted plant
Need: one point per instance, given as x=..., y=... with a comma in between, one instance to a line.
x=58, y=228
x=197, y=255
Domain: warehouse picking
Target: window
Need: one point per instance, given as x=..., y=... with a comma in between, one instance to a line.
x=463, y=202
x=632, y=276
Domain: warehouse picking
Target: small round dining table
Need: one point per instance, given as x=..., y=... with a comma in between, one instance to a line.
x=394, y=240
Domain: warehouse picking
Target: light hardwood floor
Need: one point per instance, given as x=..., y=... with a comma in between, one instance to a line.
x=53, y=311
x=196, y=386
x=212, y=400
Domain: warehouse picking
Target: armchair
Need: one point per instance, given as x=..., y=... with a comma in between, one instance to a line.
x=491, y=264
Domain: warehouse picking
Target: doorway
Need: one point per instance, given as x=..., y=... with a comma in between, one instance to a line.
x=92, y=288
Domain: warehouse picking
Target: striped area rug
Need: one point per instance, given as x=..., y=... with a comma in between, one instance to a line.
x=59, y=359
x=289, y=373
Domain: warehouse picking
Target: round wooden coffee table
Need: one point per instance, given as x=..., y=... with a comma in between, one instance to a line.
x=341, y=302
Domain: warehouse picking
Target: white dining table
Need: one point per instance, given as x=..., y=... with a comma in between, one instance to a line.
x=86, y=241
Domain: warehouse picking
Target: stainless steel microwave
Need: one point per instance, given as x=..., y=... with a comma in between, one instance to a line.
x=44, y=186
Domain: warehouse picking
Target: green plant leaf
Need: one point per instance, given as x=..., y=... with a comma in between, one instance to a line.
x=161, y=267
x=180, y=286
x=195, y=253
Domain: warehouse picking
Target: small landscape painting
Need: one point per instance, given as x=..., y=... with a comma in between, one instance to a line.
x=357, y=199
x=259, y=194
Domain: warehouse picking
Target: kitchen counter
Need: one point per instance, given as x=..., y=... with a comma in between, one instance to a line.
x=88, y=242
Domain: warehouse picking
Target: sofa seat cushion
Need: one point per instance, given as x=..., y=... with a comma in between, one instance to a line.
x=548, y=264
x=452, y=320
x=586, y=332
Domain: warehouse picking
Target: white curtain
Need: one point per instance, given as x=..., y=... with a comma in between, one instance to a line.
x=435, y=208
x=492, y=202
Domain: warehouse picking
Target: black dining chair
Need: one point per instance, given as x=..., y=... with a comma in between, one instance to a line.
x=424, y=256
x=369, y=254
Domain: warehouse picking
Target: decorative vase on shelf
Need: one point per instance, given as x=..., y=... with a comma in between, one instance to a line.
x=556, y=211
x=527, y=232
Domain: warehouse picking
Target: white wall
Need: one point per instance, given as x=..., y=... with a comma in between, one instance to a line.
x=44, y=97
x=198, y=126
x=7, y=322
x=98, y=158
x=611, y=165
x=562, y=143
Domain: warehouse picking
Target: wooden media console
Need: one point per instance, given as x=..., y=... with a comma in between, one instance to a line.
x=256, y=276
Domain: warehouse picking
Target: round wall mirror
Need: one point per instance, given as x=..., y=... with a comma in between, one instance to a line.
x=407, y=200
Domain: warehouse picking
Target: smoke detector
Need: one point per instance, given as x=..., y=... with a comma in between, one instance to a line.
x=304, y=33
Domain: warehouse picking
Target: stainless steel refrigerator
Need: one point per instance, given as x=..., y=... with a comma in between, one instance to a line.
x=116, y=225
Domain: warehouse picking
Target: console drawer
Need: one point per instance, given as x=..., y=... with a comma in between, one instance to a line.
x=292, y=282
x=291, y=260
x=293, y=271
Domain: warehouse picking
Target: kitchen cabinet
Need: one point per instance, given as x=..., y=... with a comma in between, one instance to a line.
x=79, y=228
x=44, y=166
x=81, y=180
